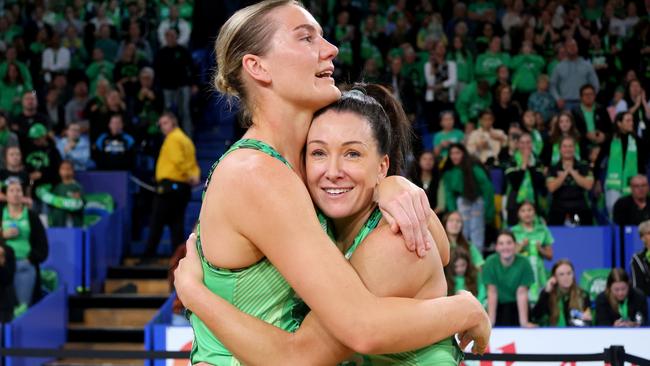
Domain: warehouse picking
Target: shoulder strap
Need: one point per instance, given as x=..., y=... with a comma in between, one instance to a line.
x=368, y=227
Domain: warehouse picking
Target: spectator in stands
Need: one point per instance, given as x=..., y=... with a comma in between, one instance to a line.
x=7, y=292
x=626, y=157
x=535, y=242
x=619, y=305
x=426, y=175
x=71, y=214
x=472, y=101
x=100, y=112
x=181, y=26
x=571, y=74
x=402, y=87
x=562, y=126
x=441, y=83
x=24, y=233
x=527, y=66
x=7, y=138
x=468, y=190
x=488, y=62
x=640, y=263
x=100, y=68
x=105, y=43
x=507, y=276
x=42, y=157
x=591, y=120
x=524, y=179
x=74, y=109
x=634, y=208
x=562, y=303
x=529, y=124
x=126, y=72
x=569, y=182
x=462, y=275
x=75, y=147
x=12, y=87
x=176, y=173
x=11, y=57
x=56, y=59
x=15, y=169
x=541, y=101
x=639, y=107
x=29, y=116
x=173, y=66
x=115, y=149
x=149, y=103
x=486, y=142
x=504, y=109
x=453, y=223
x=142, y=45
x=464, y=62
x=447, y=136
x=54, y=107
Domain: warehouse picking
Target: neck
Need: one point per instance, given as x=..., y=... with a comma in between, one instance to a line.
x=453, y=238
x=14, y=168
x=15, y=208
x=347, y=228
x=67, y=180
x=527, y=225
x=567, y=160
x=587, y=106
x=640, y=201
x=507, y=261
x=284, y=128
x=426, y=175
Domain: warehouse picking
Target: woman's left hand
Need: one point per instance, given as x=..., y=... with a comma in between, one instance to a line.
x=405, y=207
x=189, y=273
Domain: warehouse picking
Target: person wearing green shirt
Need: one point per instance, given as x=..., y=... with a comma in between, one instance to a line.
x=527, y=67
x=488, y=62
x=71, y=189
x=534, y=241
x=530, y=125
x=453, y=223
x=507, y=276
x=11, y=57
x=99, y=68
x=462, y=275
x=447, y=136
x=12, y=87
x=468, y=190
x=464, y=62
x=474, y=99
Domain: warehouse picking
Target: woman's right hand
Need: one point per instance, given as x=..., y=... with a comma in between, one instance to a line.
x=550, y=284
x=10, y=233
x=480, y=333
x=189, y=273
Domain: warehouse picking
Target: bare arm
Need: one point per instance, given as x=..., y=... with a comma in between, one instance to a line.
x=584, y=182
x=493, y=300
x=522, y=306
x=283, y=216
x=554, y=183
x=546, y=251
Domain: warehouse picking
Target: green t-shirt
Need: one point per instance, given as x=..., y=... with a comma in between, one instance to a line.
x=507, y=279
x=526, y=70
x=59, y=217
x=481, y=294
x=20, y=244
x=539, y=234
x=480, y=7
x=487, y=64
x=464, y=66
x=454, y=136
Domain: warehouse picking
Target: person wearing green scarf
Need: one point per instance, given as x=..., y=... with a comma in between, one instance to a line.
x=592, y=121
x=562, y=303
x=640, y=263
x=535, y=242
x=524, y=178
x=621, y=305
x=468, y=190
x=626, y=157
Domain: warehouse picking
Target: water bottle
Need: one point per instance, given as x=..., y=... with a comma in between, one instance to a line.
x=638, y=318
x=576, y=318
x=576, y=220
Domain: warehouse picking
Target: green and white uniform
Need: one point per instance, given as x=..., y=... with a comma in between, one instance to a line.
x=258, y=290
x=445, y=353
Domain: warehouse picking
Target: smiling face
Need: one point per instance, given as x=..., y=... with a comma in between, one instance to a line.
x=567, y=149
x=299, y=63
x=343, y=163
x=505, y=247
x=454, y=224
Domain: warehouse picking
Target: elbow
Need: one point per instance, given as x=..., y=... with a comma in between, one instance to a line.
x=365, y=339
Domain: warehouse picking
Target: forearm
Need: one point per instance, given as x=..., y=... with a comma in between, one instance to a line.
x=554, y=184
x=583, y=182
x=546, y=252
x=522, y=305
x=493, y=299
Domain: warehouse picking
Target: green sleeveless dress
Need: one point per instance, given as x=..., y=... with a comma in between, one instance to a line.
x=444, y=353
x=259, y=290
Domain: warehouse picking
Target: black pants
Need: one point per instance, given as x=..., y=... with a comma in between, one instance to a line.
x=168, y=208
x=507, y=315
x=558, y=215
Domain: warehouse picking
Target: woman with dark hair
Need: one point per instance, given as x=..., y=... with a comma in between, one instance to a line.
x=468, y=190
x=505, y=110
x=426, y=175
x=453, y=224
x=562, y=303
x=620, y=305
x=12, y=87
x=562, y=125
x=626, y=157
x=462, y=275
x=7, y=292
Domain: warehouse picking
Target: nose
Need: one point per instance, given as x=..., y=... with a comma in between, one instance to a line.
x=328, y=50
x=334, y=171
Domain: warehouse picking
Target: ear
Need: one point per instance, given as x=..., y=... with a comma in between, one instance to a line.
x=254, y=67
x=384, y=164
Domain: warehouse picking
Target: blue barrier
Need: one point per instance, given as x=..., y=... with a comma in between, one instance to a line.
x=633, y=244
x=155, y=332
x=66, y=256
x=104, y=245
x=587, y=247
x=42, y=326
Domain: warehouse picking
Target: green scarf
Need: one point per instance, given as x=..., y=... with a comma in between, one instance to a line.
x=561, y=319
x=64, y=203
x=647, y=255
x=459, y=283
x=623, y=310
x=620, y=172
x=538, y=142
x=555, y=156
x=589, y=118
x=526, y=191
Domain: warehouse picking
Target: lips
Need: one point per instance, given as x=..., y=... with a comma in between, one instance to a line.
x=325, y=73
x=336, y=191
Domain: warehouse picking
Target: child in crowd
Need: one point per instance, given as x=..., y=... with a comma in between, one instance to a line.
x=534, y=241
x=529, y=124
x=65, y=209
x=447, y=136
x=508, y=276
x=462, y=275
x=541, y=100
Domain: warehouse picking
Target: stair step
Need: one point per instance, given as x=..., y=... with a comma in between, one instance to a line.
x=148, y=272
x=142, y=286
x=94, y=362
x=81, y=333
x=110, y=317
x=135, y=261
x=116, y=301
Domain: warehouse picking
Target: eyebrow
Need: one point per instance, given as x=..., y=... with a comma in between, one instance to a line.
x=309, y=28
x=354, y=142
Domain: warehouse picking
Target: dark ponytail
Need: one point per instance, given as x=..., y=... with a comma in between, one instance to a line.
x=390, y=126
